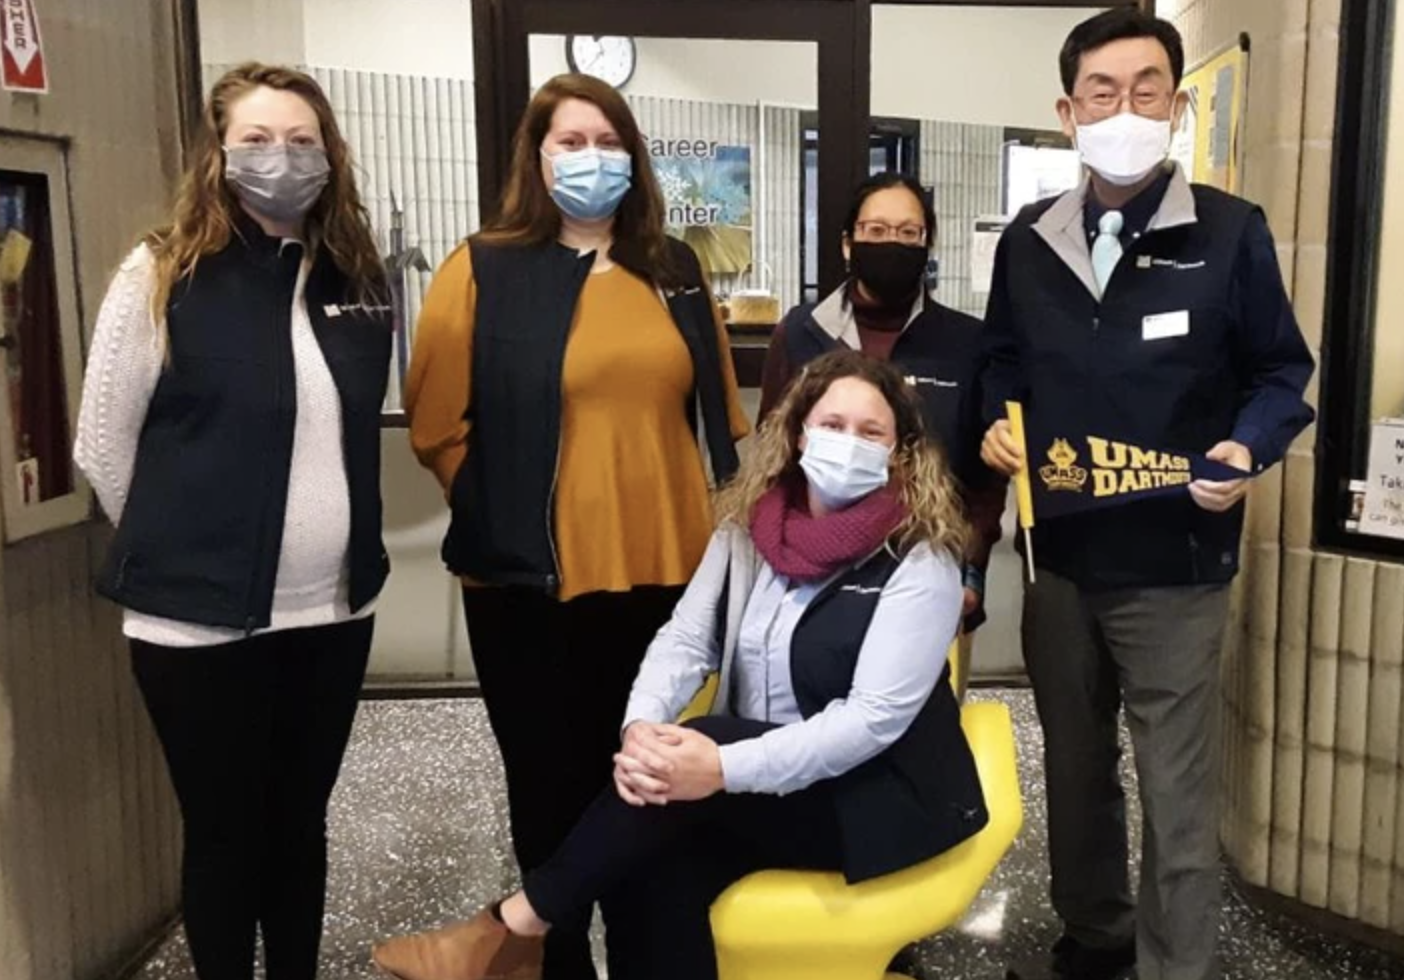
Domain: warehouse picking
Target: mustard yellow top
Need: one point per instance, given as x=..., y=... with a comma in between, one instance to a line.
x=632, y=502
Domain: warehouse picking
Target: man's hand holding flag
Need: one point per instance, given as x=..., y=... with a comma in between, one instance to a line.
x=1085, y=472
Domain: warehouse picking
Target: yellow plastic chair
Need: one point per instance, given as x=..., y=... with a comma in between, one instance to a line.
x=805, y=925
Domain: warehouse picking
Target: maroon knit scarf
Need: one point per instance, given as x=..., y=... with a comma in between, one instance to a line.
x=810, y=549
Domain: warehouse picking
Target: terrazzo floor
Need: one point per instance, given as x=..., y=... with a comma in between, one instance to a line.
x=420, y=835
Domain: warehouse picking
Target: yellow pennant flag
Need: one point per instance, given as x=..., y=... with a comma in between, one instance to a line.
x=1023, y=489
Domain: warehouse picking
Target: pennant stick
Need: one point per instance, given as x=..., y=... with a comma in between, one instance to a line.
x=1023, y=489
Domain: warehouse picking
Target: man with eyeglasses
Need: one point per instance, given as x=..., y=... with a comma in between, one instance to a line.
x=1146, y=308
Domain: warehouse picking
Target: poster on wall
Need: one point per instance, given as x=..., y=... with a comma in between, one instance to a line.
x=707, y=190
x=1208, y=144
x=1383, y=511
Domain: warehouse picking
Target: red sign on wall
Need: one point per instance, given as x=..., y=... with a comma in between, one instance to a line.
x=21, y=49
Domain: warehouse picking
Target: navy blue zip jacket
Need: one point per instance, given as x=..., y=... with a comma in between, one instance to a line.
x=1224, y=359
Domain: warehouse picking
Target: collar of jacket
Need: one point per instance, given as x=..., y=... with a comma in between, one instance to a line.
x=263, y=246
x=834, y=315
x=1062, y=226
x=743, y=568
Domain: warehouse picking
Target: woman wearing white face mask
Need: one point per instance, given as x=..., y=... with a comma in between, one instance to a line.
x=231, y=428
x=563, y=358
x=826, y=600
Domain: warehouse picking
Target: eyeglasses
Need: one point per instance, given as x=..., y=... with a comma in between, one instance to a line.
x=1142, y=101
x=881, y=231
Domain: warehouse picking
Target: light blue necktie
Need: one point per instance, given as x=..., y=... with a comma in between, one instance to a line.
x=1106, y=250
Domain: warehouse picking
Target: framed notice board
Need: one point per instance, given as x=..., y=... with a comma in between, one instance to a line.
x=1209, y=142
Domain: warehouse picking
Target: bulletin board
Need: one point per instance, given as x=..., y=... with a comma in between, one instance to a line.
x=1209, y=142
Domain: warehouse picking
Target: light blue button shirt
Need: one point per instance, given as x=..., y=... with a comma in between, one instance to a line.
x=762, y=688
x=902, y=657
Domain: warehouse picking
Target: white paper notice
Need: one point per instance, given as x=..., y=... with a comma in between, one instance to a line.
x=1182, y=141
x=1383, y=513
x=982, y=252
x=27, y=471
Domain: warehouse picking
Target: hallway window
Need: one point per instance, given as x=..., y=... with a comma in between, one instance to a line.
x=893, y=145
x=39, y=336
x=1360, y=479
x=399, y=77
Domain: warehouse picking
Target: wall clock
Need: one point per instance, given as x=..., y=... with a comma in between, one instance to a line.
x=610, y=59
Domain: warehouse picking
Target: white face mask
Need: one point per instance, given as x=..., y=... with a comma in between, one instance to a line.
x=841, y=468
x=1126, y=148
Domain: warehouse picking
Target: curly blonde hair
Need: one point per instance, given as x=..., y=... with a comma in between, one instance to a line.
x=205, y=206
x=918, y=468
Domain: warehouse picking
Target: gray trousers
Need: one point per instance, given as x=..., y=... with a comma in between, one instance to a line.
x=1154, y=652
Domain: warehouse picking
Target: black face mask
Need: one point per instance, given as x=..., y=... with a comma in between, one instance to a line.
x=890, y=271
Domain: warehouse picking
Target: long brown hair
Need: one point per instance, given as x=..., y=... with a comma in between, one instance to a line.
x=528, y=215
x=205, y=206
x=918, y=467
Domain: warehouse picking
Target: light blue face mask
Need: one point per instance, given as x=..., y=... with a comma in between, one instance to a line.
x=842, y=469
x=591, y=182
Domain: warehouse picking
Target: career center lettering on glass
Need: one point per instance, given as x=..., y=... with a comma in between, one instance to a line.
x=707, y=192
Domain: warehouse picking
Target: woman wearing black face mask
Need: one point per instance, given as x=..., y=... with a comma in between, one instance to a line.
x=884, y=311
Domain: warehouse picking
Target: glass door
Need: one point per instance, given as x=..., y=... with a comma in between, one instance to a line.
x=724, y=147
x=893, y=145
x=735, y=74
x=978, y=83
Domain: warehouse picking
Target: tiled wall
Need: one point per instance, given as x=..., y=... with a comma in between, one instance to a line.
x=89, y=836
x=1314, y=806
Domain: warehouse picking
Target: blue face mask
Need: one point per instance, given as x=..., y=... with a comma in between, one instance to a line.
x=842, y=469
x=591, y=182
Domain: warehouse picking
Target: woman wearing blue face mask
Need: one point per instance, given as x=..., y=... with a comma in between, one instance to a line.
x=563, y=360
x=826, y=601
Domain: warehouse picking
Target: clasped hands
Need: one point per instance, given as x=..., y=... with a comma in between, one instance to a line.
x=662, y=764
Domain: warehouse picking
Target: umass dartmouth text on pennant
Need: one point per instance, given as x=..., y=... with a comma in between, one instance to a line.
x=1071, y=473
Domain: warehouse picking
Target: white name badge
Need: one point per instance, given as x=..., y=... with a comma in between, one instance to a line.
x=1165, y=325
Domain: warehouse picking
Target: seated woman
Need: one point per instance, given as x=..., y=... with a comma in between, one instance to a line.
x=884, y=309
x=826, y=600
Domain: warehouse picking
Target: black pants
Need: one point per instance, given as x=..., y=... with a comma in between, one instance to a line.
x=555, y=678
x=254, y=732
x=657, y=869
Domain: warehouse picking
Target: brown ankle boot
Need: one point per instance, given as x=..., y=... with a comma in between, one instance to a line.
x=480, y=949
